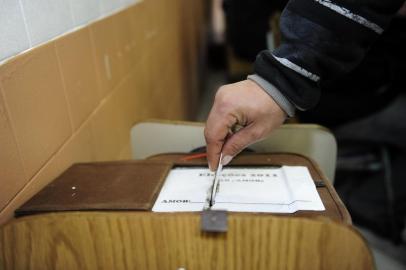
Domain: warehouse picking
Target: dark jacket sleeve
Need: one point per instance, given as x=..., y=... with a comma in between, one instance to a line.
x=321, y=41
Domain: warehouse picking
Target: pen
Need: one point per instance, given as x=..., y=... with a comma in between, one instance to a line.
x=216, y=182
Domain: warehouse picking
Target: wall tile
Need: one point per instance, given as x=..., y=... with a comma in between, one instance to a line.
x=61, y=16
x=77, y=149
x=108, y=54
x=125, y=153
x=13, y=35
x=109, y=6
x=38, y=108
x=140, y=81
x=126, y=3
x=104, y=126
x=125, y=40
x=132, y=33
x=85, y=10
x=12, y=176
x=125, y=107
x=35, y=98
x=43, y=27
x=78, y=71
x=47, y=173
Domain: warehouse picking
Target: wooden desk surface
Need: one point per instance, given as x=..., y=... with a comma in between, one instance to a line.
x=145, y=240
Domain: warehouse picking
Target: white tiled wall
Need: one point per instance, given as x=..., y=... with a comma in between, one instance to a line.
x=46, y=19
x=85, y=11
x=108, y=5
x=27, y=23
x=13, y=33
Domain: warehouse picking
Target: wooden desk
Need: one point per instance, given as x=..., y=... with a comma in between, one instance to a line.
x=141, y=239
x=145, y=240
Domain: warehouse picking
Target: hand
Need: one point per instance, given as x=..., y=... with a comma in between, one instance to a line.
x=244, y=103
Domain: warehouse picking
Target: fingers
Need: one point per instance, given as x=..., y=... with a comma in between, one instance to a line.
x=216, y=131
x=240, y=140
x=243, y=103
x=213, y=148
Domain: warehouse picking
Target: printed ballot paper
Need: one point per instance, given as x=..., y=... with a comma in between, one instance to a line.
x=285, y=189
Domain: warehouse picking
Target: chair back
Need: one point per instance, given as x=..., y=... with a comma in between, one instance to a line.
x=314, y=141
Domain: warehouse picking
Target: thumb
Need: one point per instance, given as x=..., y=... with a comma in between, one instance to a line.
x=238, y=141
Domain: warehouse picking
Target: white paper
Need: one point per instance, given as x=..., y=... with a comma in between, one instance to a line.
x=262, y=189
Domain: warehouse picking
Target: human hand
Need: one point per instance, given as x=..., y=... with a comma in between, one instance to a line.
x=244, y=103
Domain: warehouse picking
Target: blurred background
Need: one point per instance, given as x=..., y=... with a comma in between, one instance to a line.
x=366, y=111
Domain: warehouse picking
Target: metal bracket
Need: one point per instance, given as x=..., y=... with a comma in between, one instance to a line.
x=319, y=183
x=214, y=221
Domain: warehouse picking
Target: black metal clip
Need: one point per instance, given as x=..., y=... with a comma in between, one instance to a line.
x=214, y=221
x=319, y=183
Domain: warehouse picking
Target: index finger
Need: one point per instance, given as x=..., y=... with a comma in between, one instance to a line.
x=215, y=133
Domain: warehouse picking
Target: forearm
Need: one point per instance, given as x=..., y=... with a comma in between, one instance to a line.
x=321, y=41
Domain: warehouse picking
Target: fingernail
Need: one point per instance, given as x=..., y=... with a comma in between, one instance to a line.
x=226, y=160
x=210, y=167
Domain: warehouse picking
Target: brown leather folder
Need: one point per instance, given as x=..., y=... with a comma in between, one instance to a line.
x=135, y=185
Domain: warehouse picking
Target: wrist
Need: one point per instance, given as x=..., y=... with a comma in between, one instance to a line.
x=275, y=94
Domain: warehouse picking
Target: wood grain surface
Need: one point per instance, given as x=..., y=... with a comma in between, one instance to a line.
x=144, y=240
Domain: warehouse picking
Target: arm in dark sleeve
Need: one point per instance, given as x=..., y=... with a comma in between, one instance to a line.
x=321, y=40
